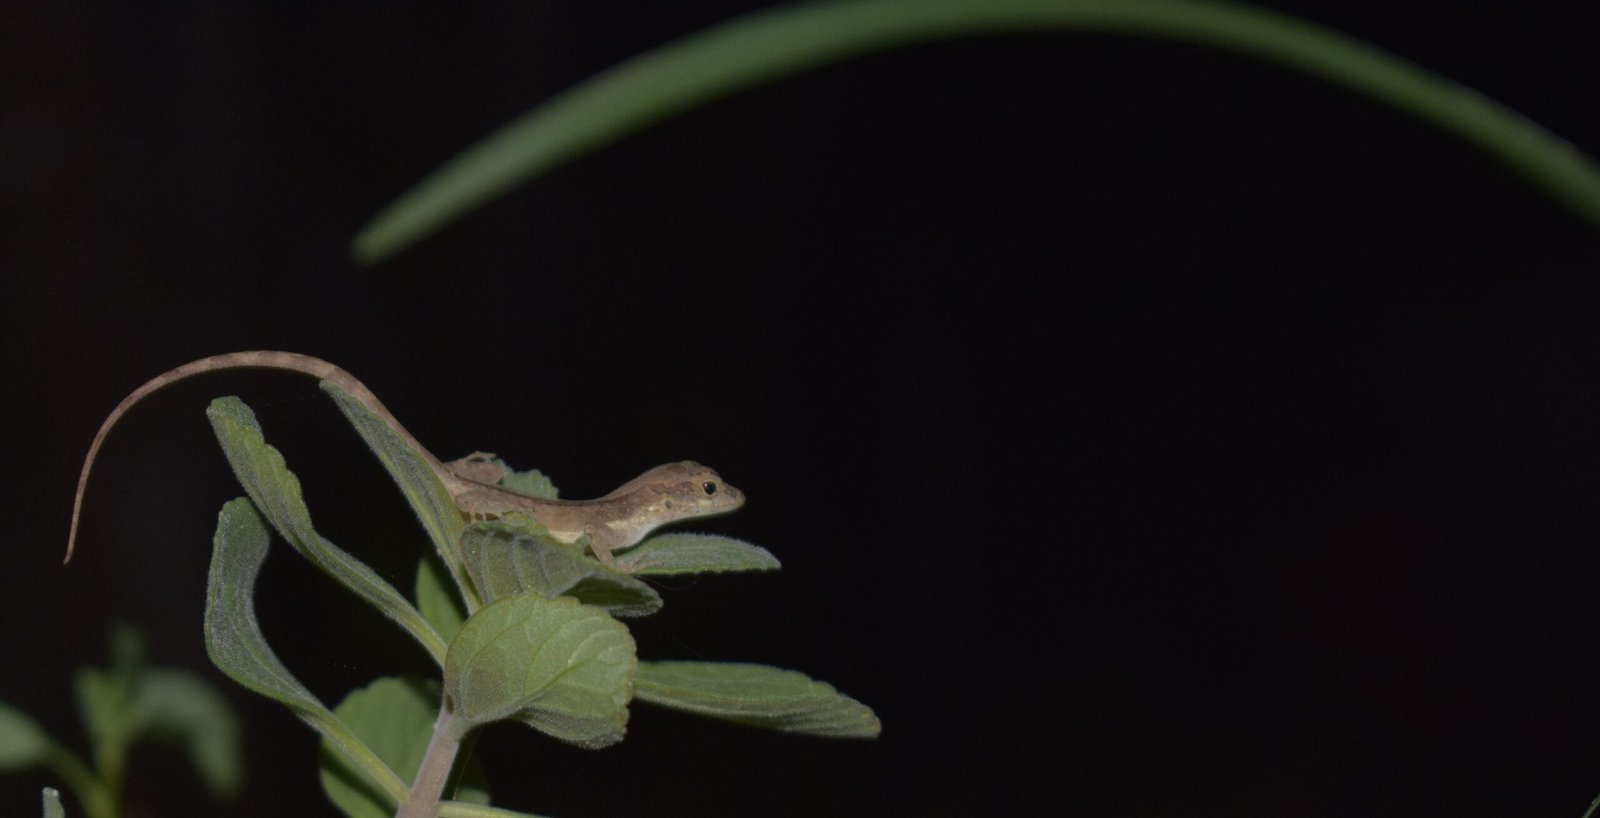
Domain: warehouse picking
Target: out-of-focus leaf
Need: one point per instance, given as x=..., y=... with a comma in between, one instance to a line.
x=183, y=708
x=787, y=40
x=52, y=804
x=103, y=701
x=22, y=743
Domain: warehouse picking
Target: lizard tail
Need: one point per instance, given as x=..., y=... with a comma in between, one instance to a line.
x=290, y=361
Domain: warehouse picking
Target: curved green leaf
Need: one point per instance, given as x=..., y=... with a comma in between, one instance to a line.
x=395, y=718
x=416, y=479
x=276, y=493
x=183, y=708
x=238, y=648
x=504, y=560
x=695, y=554
x=22, y=743
x=781, y=42
x=564, y=668
x=756, y=695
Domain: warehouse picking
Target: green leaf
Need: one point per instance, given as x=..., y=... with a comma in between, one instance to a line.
x=504, y=560
x=417, y=481
x=788, y=40
x=531, y=482
x=238, y=648
x=695, y=554
x=104, y=698
x=180, y=707
x=276, y=493
x=395, y=718
x=52, y=804
x=564, y=668
x=127, y=652
x=22, y=743
x=438, y=603
x=756, y=695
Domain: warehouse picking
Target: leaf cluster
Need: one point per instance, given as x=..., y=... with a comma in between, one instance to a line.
x=522, y=626
x=121, y=705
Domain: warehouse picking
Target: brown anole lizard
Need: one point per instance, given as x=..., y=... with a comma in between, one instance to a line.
x=664, y=494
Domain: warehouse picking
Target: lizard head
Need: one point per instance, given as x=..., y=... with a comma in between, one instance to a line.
x=679, y=491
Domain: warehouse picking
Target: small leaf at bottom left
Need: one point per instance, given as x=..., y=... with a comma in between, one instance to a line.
x=22, y=743
x=52, y=804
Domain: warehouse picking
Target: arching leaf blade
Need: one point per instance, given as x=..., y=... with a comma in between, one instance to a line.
x=414, y=475
x=275, y=491
x=239, y=649
x=772, y=44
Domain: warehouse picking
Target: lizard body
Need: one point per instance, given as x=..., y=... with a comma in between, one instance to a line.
x=666, y=493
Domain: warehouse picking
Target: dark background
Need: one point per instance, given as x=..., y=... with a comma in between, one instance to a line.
x=1144, y=430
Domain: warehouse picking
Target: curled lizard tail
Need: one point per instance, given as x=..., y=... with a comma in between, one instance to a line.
x=262, y=359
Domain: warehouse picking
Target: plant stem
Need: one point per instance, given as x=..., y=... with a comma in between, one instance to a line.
x=97, y=801
x=435, y=770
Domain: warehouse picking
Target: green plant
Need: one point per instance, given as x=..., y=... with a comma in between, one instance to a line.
x=522, y=626
x=121, y=705
x=526, y=628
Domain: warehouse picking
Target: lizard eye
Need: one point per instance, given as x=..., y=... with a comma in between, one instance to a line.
x=710, y=487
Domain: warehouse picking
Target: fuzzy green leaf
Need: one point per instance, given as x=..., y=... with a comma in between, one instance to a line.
x=437, y=601
x=564, y=668
x=695, y=554
x=22, y=743
x=395, y=718
x=238, y=648
x=52, y=804
x=276, y=493
x=531, y=482
x=504, y=560
x=233, y=636
x=416, y=479
x=756, y=695
x=183, y=708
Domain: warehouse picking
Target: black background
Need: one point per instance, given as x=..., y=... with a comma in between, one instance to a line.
x=1144, y=430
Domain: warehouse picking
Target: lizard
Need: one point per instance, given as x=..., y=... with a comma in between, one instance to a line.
x=664, y=494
